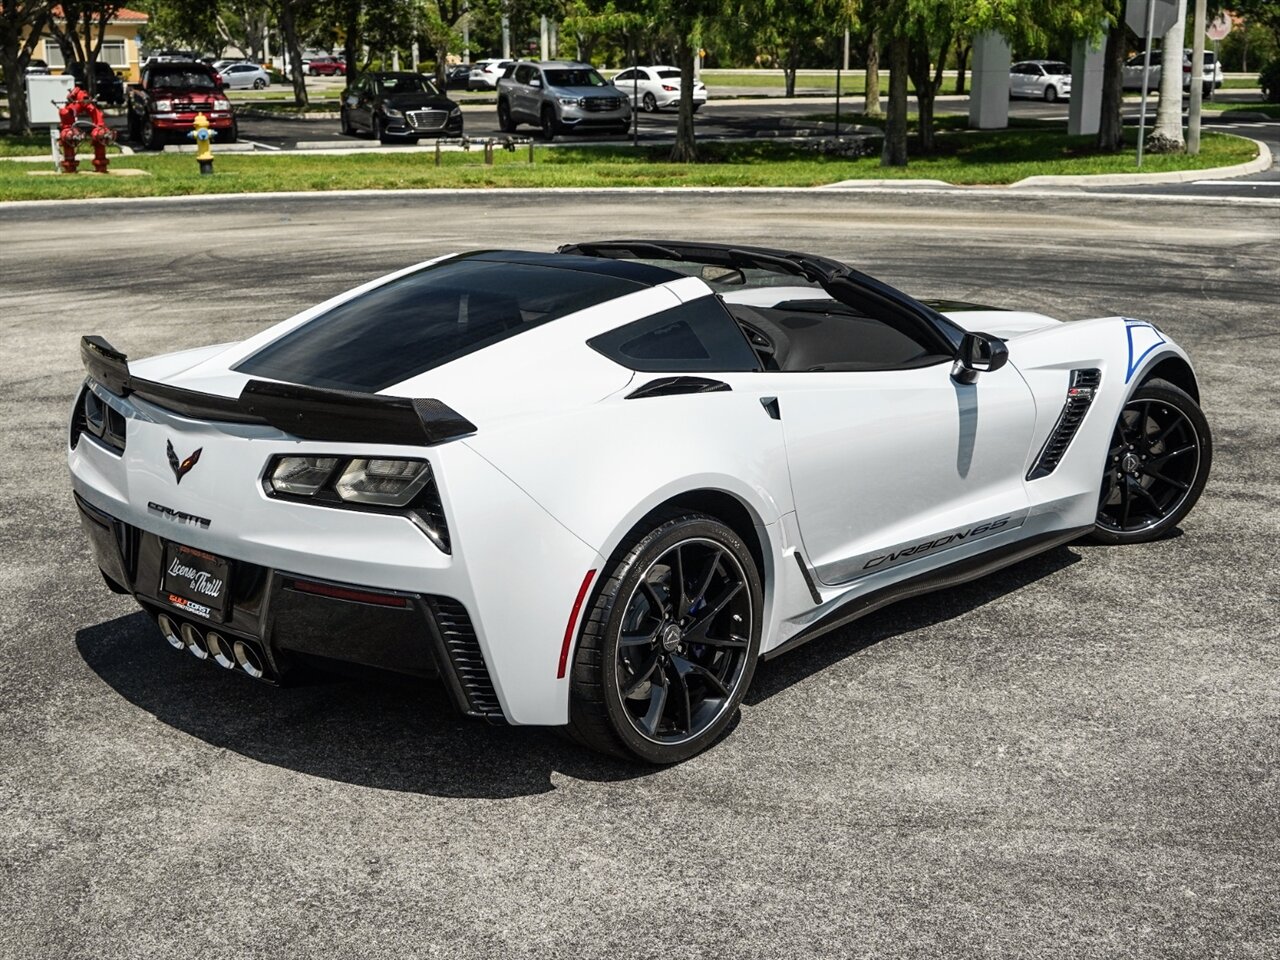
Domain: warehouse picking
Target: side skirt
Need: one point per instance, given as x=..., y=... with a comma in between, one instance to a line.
x=971, y=568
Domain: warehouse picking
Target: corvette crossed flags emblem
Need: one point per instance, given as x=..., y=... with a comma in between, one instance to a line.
x=181, y=467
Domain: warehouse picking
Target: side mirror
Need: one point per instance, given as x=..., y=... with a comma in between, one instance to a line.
x=978, y=353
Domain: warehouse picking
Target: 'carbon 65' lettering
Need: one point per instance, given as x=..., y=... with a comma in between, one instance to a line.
x=928, y=545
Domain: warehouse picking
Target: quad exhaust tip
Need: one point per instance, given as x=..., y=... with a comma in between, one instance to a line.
x=249, y=659
x=170, y=631
x=221, y=650
x=194, y=643
x=212, y=645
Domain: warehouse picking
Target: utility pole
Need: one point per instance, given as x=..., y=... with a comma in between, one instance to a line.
x=1197, y=78
x=545, y=38
x=506, y=33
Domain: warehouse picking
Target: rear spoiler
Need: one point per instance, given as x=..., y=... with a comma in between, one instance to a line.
x=310, y=413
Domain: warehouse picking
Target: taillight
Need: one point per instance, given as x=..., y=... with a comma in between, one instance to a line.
x=669, y=89
x=98, y=419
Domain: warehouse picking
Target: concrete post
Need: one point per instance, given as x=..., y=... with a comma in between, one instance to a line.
x=416, y=54
x=1084, y=112
x=545, y=38
x=395, y=60
x=989, y=99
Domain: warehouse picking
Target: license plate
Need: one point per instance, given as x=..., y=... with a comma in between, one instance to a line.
x=195, y=581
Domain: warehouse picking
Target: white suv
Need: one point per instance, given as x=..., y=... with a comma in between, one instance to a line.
x=485, y=74
x=1212, y=72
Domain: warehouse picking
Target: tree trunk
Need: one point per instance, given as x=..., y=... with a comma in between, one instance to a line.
x=289, y=27
x=926, y=82
x=872, y=107
x=686, y=148
x=1166, y=133
x=789, y=67
x=1111, y=122
x=15, y=55
x=895, y=128
x=962, y=66
x=351, y=38
x=442, y=67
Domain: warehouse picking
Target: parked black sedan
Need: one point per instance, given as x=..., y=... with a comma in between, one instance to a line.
x=399, y=107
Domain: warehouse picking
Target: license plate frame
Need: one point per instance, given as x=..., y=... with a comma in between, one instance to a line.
x=196, y=581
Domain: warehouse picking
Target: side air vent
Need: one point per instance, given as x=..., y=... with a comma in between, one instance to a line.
x=430, y=514
x=468, y=664
x=1083, y=385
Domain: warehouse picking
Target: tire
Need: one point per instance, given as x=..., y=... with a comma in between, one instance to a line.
x=232, y=135
x=632, y=638
x=151, y=138
x=313, y=72
x=549, y=126
x=261, y=84
x=1159, y=460
x=133, y=134
x=650, y=103
x=378, y=133
x=1051, y=94
x=505, y=123
x=344, y=125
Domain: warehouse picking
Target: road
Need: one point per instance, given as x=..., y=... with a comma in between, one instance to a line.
x=1076, y=757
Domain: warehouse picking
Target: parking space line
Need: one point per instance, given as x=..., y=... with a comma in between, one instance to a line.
x=258, y=144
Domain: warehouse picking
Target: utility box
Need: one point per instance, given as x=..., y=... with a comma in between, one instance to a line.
x=45, y=94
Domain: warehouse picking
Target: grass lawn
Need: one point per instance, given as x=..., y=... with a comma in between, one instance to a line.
x=1270, y=109
x=963, y=158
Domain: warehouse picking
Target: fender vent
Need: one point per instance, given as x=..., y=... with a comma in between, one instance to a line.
x=1084, y=383
x=465, y=657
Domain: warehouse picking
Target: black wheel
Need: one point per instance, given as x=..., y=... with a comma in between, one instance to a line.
x=650, y=103
x=260, y=84
x=230, y=136
x=505, y=123
x=549, y=125
x=152, y=139
x=313, y=72
x=1161, y=452
x=1051, y=94
x=132, y=127
x=378, y=133
x=669, y=645
x=345, y=125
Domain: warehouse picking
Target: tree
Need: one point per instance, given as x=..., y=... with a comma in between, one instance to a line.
x=1111, y=120
x=1166, y=132
x=21, y=24
x=80, y=31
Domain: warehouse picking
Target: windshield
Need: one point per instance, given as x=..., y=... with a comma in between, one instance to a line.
x=1056, y=68
x=575, y=78
x=405, y=83
x=425, y=319
x=185, y=79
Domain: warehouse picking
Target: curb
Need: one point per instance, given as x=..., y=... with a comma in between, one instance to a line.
x=1257, y=165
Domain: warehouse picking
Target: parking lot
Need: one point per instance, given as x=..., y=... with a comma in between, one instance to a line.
x=1077, y=756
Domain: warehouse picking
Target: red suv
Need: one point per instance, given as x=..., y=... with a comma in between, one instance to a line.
x=327, y=67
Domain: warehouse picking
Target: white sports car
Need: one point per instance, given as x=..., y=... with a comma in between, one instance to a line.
x=592, y=488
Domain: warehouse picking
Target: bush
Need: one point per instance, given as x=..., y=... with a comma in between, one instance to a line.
x=1269, y=81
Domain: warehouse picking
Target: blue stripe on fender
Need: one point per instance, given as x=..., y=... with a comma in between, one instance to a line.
x=1143, y=338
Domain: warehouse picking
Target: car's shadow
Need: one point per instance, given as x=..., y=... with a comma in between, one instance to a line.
x=405, y=736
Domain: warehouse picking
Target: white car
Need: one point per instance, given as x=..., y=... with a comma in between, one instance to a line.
x=595, y=487
x=1041, y=79
x=1132, y=72
x=485, y=74
x=654, y=88
x=244, y=76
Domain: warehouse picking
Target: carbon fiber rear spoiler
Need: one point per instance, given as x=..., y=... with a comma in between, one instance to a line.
x=310, y=413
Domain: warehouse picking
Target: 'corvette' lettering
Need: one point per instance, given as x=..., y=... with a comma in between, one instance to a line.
x=177, y=515
x=928, y=545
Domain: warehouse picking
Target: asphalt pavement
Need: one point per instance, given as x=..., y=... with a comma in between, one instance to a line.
x=1076, y=757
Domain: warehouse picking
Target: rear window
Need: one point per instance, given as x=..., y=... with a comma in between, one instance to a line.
x=668, y=74
x=1056, y=68
x=698, y=336
x=426, y=319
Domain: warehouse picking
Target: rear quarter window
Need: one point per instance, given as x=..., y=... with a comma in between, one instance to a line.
x=696, y=336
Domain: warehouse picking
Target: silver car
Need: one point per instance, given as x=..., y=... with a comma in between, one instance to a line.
x=561, y=96
x=1042, y=79
x=242, y=76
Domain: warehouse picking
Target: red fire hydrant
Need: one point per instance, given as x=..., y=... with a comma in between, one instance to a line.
x=81, y=118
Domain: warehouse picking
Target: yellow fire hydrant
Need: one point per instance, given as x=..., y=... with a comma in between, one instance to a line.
x=203, y=137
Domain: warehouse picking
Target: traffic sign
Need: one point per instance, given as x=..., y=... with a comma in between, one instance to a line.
x=1219, y=29
x=1166, y=15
